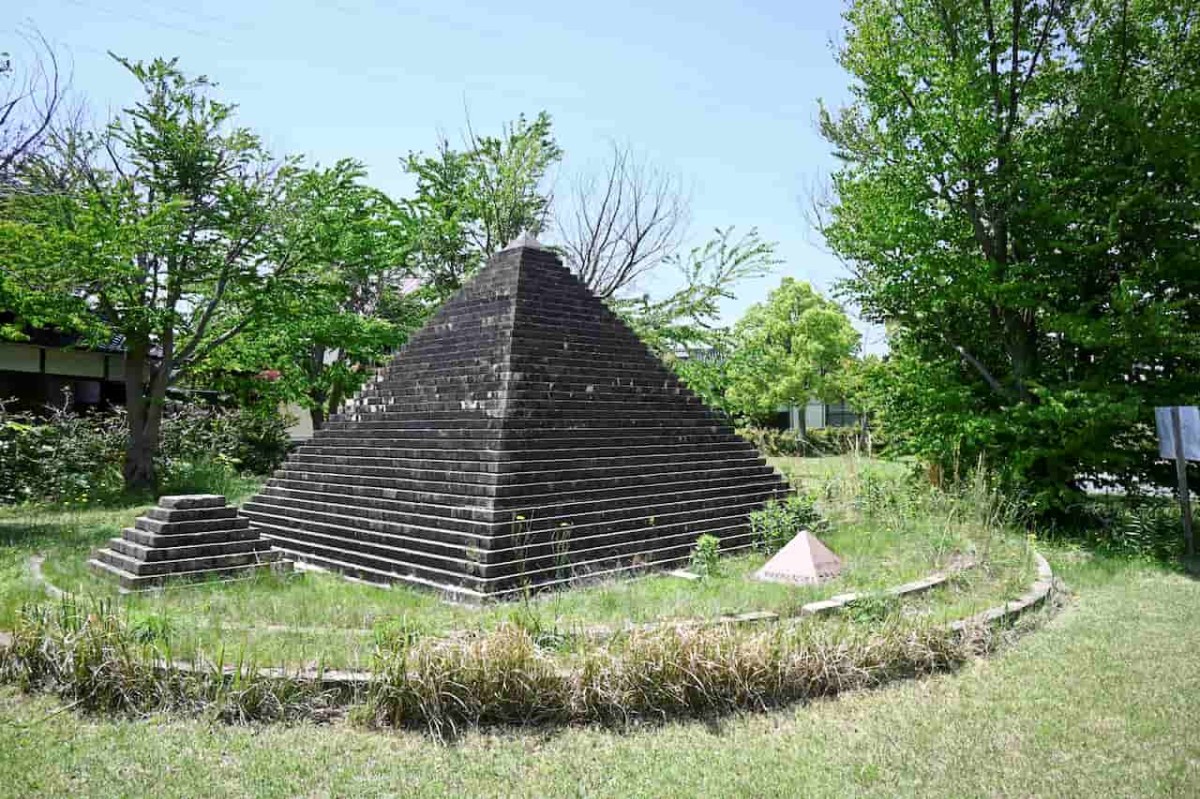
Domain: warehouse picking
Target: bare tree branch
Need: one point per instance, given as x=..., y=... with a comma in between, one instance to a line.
x=622, y=223
x=29, y=103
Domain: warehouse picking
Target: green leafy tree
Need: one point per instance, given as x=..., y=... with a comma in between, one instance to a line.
x=687, y=318
x=469, y=203
x=792, y=348
x=683, y=326
x=1019, y=199
x=345, y=309
x=164, y=229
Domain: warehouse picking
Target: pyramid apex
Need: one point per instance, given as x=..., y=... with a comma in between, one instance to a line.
x=526, y=239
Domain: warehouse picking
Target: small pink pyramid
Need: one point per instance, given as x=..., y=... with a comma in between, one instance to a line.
x=804, y=560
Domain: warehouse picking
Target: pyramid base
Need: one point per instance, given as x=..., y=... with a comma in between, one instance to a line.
x=129, y=582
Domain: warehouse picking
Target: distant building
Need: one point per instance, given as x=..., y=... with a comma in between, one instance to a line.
x=817, y=415
x=37, y=372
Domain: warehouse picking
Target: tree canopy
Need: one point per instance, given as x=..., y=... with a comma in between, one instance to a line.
x=1018, y=199
x=165, y=229
x=792, y=348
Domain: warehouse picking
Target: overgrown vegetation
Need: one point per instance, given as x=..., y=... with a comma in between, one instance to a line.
x=67, y=458
x=706, y=556
x=1117, y=668
x=504, y=678
x=93, y=657
x=780, y=521
x=310, y=618
x=818, y=442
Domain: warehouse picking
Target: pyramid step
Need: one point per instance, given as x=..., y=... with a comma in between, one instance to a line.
x=519, y=495
x=418, y=552
x=582, y=404
x=196, y=514
x=414, y=515
x=305, y=543
x=435, y=541
x=489, y=459
x=408, y=385
x=197, y=526
x=191, y=501
x=498, y=528
x=129, y=581
x=517, y=419
x=677, y=519
x=541, y=565
x=148, y=539
x=185, y=565
x=549, y=392
x=521, y=482
x=138, y=551
x=526, y=449
x=368, y=496
x=573, y=506
x=419, y=468
x=328, y=558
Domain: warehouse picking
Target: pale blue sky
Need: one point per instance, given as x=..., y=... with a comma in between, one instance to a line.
x=725, y=95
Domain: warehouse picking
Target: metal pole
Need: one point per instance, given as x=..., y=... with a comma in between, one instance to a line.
x=1185, y=496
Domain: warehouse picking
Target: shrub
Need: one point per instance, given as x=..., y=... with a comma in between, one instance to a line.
x=779, y=522
x=447, y=685
x=252, y=441
x=1139, y=529
x=64, y=458
x=95, y=659
x=770, y=441
x=70, y=458
x=820, y=441
x=706, y=557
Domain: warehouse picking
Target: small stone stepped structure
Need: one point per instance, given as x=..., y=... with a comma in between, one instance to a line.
x=186, y=537
x=523, y=438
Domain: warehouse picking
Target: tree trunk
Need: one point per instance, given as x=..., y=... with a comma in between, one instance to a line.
x=139, y=449
x=317, y=413
x=145, y=396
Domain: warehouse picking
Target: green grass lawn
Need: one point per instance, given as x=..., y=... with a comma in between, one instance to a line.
x=1101, y=701
x=336, y=622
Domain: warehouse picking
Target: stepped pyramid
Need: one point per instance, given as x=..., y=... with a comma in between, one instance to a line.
x=191, y=536
x=523, y=438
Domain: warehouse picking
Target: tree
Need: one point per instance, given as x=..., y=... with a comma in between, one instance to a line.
x=168, y=235
x=345, y=309
x=470, y=203
x=1020, y=200
x=687, y=318
x=621, y=224
x=682, y=328
x=792, y=348
x=31, y=94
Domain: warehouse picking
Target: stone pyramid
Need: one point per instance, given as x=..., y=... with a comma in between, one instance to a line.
x=803, y=561
x=186, y=537
x=523, y=438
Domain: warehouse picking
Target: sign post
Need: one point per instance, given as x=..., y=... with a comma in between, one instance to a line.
x=1179, y=438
